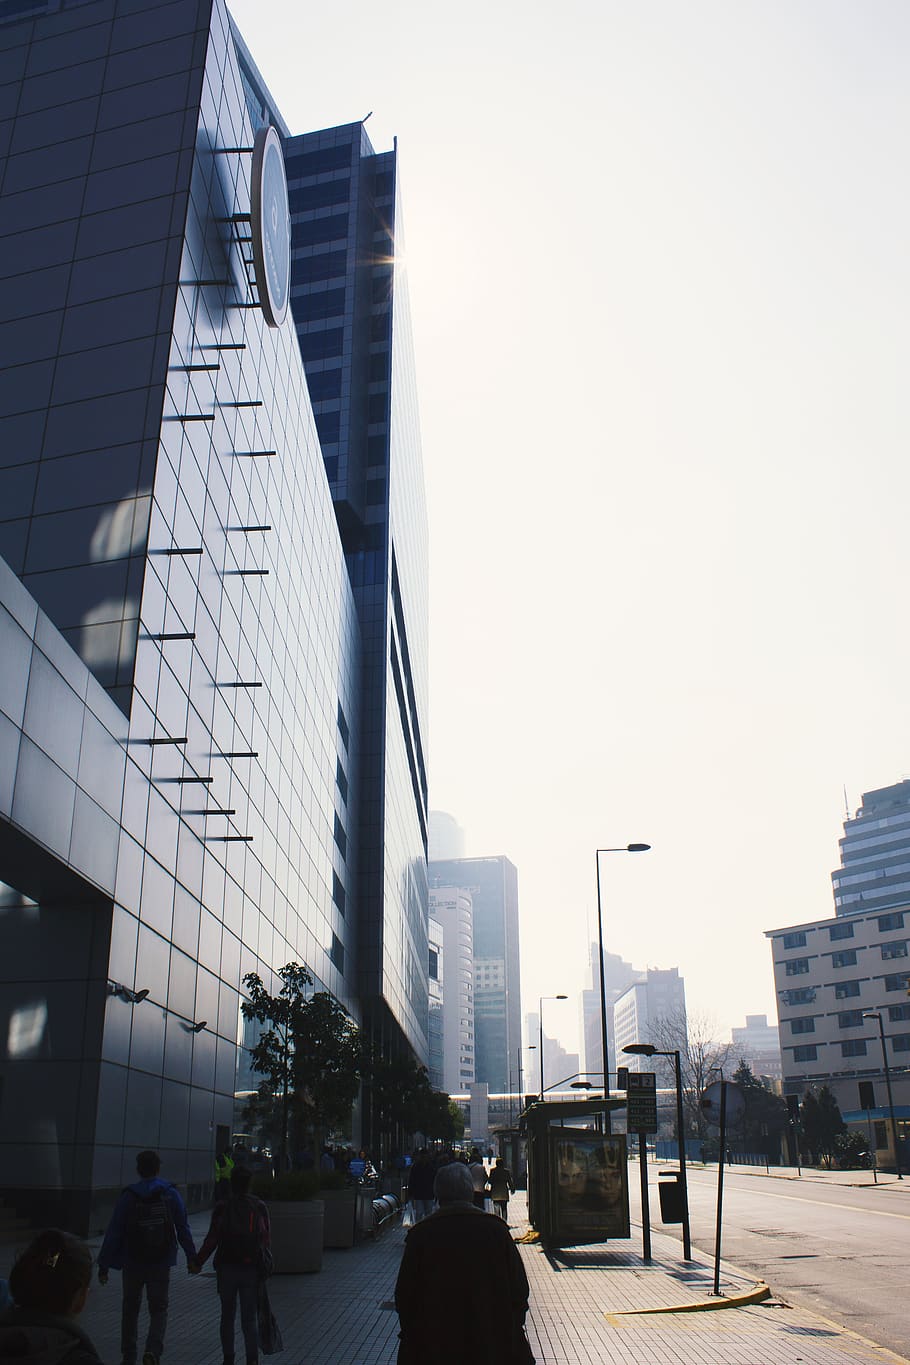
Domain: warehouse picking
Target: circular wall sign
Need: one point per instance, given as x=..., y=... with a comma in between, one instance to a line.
x=271, y=226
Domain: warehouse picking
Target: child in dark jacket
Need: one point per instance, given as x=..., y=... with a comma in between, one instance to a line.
x=49, y=1284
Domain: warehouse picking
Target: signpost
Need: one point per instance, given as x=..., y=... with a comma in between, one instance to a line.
x=641, y=1118
x=720, y=1101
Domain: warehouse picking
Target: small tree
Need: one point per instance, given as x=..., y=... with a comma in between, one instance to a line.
x=765, y=1115
x=309, y=1056
x=821, y=1123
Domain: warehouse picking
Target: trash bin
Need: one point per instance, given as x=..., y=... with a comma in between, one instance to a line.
x=670, y=1192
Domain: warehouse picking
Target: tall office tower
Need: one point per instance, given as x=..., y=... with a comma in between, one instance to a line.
x=446, y=837
x=452, y=909
x=436, y=1024
x=759, y=1045
x=652, y=1010
x=875, y=854
x=350, y=303
x=493, y=884
x=618, y=976
x=180, y=661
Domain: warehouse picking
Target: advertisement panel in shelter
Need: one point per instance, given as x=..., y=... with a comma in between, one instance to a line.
x=591, y=1186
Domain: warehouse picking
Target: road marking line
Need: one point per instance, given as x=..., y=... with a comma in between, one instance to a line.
x=824, y=1204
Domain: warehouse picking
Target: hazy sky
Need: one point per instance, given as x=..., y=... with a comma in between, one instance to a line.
x=658, y=261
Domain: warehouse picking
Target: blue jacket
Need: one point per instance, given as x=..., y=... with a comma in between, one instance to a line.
x=114, y=1254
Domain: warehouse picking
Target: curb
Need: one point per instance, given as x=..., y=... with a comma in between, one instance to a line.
x=756, y=1295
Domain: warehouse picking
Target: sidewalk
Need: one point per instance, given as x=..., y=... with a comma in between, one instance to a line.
x=580, y=1302
x=857, y=1178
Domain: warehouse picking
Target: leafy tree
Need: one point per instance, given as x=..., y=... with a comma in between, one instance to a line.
x=309, y=1055
x=765, y=1115
x=821, y=1123
x=405, y=1102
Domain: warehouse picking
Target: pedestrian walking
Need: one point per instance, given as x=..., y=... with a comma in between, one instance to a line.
x=501, y=1185
x=462, y=1291
x=149, y=1220
x=239, y=1237
x=49, y=1285
x=479, y=1177
x=420, y=1186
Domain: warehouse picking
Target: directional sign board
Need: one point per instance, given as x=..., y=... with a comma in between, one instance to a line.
x=641, y=1102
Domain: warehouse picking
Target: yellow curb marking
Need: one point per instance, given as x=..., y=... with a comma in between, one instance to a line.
x=761, y=1291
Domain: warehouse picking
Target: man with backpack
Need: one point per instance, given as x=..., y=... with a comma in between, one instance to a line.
x=149, y=1220
x=239, y=1236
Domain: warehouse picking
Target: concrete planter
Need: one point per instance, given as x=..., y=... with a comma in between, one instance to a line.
x=297, y=1236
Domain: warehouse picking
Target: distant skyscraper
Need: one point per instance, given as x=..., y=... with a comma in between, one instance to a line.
x=446, y=837
x=618, y=976
x=759, y=1045
x=652, y=1010
x=450, y=907
x=493, y=884
x=875, y=854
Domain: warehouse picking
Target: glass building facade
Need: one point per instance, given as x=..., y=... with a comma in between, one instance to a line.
x=185, y=791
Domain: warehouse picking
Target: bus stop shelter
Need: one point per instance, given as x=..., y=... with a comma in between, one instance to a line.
x=578, y=1188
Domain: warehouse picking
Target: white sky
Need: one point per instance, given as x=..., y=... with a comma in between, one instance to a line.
x=658, y=259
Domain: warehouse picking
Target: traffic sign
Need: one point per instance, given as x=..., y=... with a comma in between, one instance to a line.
x=710, y=1102
x=641, y=1102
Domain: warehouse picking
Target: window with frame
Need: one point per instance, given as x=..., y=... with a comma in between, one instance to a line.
x=899, y=982
x=893, y=950
x=844, y=990
x=799, y=995
x=898, y=1012
x=900, y=1042
x=887, y=922
x=856, y=1047
x=838, y=931
x=797, y=966
x=797, y=940
x=850, y=1019
x=806, y=1025
x=807, y=1053
x=845, y=958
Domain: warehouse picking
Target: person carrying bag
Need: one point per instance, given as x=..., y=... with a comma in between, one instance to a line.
x=239, y=1236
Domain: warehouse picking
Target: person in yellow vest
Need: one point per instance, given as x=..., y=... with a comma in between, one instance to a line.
x=224, y=1165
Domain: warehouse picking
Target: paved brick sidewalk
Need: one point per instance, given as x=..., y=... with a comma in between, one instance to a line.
x=343, y=1315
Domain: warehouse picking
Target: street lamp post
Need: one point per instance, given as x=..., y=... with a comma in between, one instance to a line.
x=648, y=1050
x=874, y=1014
x=540, y=1022
x=627, y=848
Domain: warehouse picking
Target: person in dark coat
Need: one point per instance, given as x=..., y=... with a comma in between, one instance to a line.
x=148, y=1221
x=49, y=1284
x=420, y=1186
x=462, y=1291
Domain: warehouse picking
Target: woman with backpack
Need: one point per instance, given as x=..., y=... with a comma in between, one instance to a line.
x=239, y=1237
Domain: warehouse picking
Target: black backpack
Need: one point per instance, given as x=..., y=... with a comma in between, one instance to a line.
x=240, y=1242
x=150, y=1234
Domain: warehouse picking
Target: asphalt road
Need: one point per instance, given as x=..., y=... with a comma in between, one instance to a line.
x=842, y=1251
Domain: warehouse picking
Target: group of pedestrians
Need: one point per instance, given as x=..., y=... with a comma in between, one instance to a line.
x=50, y=1281
x=494, y=1185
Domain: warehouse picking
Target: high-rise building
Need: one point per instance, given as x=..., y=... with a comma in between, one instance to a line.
x=875, y=853
x=201, y=775
x=759, y=1045
x=652, y=1010
x=436, y=1024
x=618, y=976
x=451, y=907
x=832, y=975
x=350, y=302
x=493, y=884
x=446, y=837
